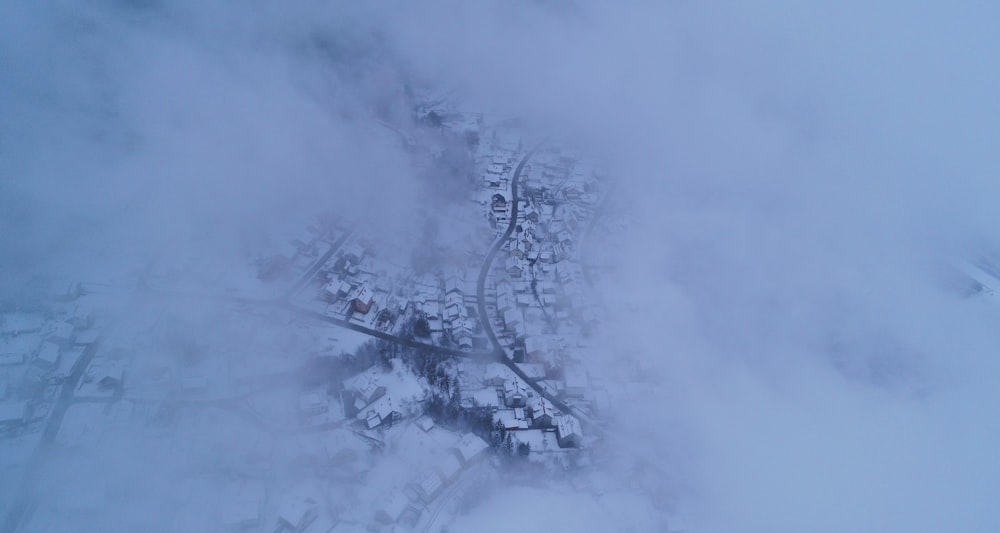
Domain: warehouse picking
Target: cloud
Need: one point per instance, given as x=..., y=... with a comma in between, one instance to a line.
x=139, y=128
x=795, y=175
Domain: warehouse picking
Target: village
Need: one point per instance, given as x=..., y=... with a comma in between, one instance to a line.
x=450, y=372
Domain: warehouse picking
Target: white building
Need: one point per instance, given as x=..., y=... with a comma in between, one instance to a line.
x=568, y=430
x=470, y=448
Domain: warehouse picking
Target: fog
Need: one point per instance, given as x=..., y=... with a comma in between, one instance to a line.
x=791, y=181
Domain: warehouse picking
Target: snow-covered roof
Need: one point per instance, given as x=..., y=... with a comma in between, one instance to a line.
x=49, y=354
x=568, y=425
x=540, y=440
x=297, y=511
x=511, y=418
x=429, y=483
x=364, y=295
x=425, y=423
x=511, y=316
x=377, y=412
x=486, y=397
x=471, y=446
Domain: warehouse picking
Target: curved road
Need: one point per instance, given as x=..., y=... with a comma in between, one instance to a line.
x=488, y=261
x=501, y=354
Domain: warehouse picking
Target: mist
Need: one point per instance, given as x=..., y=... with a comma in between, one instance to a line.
x=790, y=182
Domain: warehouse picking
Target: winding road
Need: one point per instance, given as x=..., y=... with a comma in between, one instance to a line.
x=498, y=350
x=591, y=425
x=488, y=260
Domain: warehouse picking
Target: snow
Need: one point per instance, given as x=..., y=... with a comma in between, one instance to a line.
x=558, y=508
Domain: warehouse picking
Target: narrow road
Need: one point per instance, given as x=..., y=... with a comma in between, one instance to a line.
x=18, y=509
x=498, y=350
x=488, y=260
x=383, y=335
x=316, y=315
x=502, y=355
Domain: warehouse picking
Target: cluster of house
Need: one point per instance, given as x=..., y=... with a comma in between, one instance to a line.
x=365, y=399
x=351, y=288
x=542, y=286
x=405, y=504
x=527, y=417
x=35, y=352
x=447, y=301
x=296, y=255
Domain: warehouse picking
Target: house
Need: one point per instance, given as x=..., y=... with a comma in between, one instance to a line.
x=427, y=485
x=515, y=394
x=453, y=284
x=297, y=512
x=565, y=239
x=504, y=301
x=336, y=289
x=568, y=431
x=455, y=299
x=109, y=377
x=511, y=318
x=48, y=356
x=486, y=398
x=380, y=412
x=513, y=267
x=512, y=419
x=470, y=448
x=498, y=203
x=363, y=299
x=364, y=387
x=536, y=441
x=354, y=252
x=542, y=412
x=425, y=423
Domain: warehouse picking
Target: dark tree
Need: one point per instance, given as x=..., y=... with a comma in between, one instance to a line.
x=523, y=449
x=422, y=328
